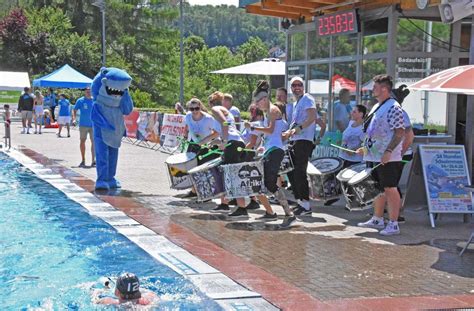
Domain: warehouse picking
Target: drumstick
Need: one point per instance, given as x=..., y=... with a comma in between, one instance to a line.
x=217, y=151
x=240, y=149
x=342, y=148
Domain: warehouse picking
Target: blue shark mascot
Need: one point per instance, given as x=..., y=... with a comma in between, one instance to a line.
x=111, y=102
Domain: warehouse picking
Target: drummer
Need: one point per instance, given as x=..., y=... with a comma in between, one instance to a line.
x=231, y=141
x=383, y=145
x=200, y=130
x=274, y=126
x=353, y=137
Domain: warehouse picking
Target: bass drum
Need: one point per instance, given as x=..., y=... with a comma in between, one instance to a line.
x=208, y=180
x=322, y=173
x=178, y=167
x=343, y=177
x=242, y=180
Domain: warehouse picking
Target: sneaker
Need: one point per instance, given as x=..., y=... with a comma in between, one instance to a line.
x=372, y=223
x=82, y=164
x=39, y=132
x=68, y=135
x=28, y=132
x=221, y=207
x=301, y=211
x=23, y=131
x=392, y=228
x=288, y=221
x=190, y=194
x=270, y=216
x=401, y=219
x=233, y=202
x=330, y=202
x=35, y=132
x=273, y=200
x=240, y=212
x=93, y=164
x=253, y=205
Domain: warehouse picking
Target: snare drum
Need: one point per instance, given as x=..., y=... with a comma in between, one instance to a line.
x=243, y=180
x=322, y=174
x=344, y=176
x=208, y=180
x=178, y=168
x=286, y=165
x=365, y=187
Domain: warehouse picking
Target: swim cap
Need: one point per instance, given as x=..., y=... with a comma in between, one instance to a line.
x=129, y=286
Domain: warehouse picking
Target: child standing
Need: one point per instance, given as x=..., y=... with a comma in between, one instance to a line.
x=39, y=111
x=64, y=114
x=6, y=118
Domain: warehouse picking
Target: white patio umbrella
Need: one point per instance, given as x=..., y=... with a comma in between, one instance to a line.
x=458, y=80
x=265, y=67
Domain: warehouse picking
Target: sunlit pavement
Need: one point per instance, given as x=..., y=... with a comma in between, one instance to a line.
x=324, y=261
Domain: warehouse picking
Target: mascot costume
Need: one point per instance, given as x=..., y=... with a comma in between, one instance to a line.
x=111, y=102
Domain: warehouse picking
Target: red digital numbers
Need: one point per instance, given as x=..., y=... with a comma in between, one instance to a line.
x=337, y=24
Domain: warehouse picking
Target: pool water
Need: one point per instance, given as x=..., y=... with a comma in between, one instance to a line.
x=53, y=253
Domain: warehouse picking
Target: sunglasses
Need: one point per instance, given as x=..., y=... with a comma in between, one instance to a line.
x=297, y=85
x=194, y=108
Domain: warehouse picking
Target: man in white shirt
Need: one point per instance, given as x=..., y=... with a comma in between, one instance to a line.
x=383, y=145
x=227, y=103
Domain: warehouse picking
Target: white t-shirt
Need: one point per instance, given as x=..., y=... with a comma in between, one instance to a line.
x=235, y=112
x=299, y=116
x=289, y=112
x=341, y=113
x=233, y=133
x=407, y=124
x=381, y=130
x=199, y=129
x=274, y=139
x=352, y=138
x=246, y=133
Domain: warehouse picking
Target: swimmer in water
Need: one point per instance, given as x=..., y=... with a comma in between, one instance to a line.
x=127, y=289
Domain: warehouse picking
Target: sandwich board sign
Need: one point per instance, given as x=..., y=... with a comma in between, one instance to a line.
x=444, y=175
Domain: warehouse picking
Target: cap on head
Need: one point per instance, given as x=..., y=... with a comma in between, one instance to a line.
x=297, y=78
x=129, y=286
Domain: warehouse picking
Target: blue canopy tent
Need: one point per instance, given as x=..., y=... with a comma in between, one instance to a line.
x=64, y=77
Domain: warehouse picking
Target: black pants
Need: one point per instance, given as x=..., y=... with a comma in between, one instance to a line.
x=271, y=166
x=300, y=152
x=52, y=113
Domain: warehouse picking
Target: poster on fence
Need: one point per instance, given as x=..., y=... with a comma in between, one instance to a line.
x=142, y=125
x=445, y=174
x=173, y=126
x=131, y=125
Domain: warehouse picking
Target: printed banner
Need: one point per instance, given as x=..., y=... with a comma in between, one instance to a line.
x=142, y=125
x=445, y=174
x=242, y=180
x=173, y=126
x=324, y=149
x=131, y=125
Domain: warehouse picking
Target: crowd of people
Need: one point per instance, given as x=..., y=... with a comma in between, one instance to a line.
x=379, y=137
x=42, y=110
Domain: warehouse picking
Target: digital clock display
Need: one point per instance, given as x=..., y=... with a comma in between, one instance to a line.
x=338, y=23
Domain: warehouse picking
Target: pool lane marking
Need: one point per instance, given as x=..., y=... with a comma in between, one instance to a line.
x=207, y=279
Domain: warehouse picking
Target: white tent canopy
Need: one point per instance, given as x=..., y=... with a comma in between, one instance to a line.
x=265, y=67
x=14, y=81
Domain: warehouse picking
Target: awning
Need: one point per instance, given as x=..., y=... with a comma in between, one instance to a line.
x=14, y=81
x=64, y=77
x=265, y=67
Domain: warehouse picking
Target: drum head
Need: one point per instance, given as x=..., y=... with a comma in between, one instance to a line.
x=347, y=173
x=323, y=166
x=206, y=166
x=180, y=158
x=360, y=176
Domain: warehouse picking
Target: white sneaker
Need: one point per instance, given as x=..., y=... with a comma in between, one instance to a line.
x=392, y=228
x=372, y=223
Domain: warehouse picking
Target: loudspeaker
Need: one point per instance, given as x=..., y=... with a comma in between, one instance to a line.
x=454, y=10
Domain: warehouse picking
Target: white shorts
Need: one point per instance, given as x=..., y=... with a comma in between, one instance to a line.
x=64, y=120
x=39, y=110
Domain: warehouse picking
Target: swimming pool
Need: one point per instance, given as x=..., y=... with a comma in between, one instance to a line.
x=53, y=251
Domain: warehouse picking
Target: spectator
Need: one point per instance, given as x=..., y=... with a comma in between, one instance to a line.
x=84, y=105
x=25, y=106
x=53, y=103
x=227, y=103
x=6, y=118
x=282, y=96
x=342, y=109
x=39, y=111
x=178, y=108
x=64, y=114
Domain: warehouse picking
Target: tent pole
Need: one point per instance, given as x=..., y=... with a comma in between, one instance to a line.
x=469, y=142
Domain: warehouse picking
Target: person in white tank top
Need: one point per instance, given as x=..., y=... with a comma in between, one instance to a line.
x=274, y=126
x=39, y=111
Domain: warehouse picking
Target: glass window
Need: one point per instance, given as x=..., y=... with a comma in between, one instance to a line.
x=318, y=46
x=422, y=36
x=465, y=35
x=345, y=45
x=318, y=86
x=375, y=36
x=344, y=90
x=370, y=68
x=297, y=44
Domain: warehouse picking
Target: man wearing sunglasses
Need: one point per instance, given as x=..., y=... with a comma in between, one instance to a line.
x=301, y=135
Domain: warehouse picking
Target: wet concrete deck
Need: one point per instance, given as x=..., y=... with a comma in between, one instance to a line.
x=324, y=262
